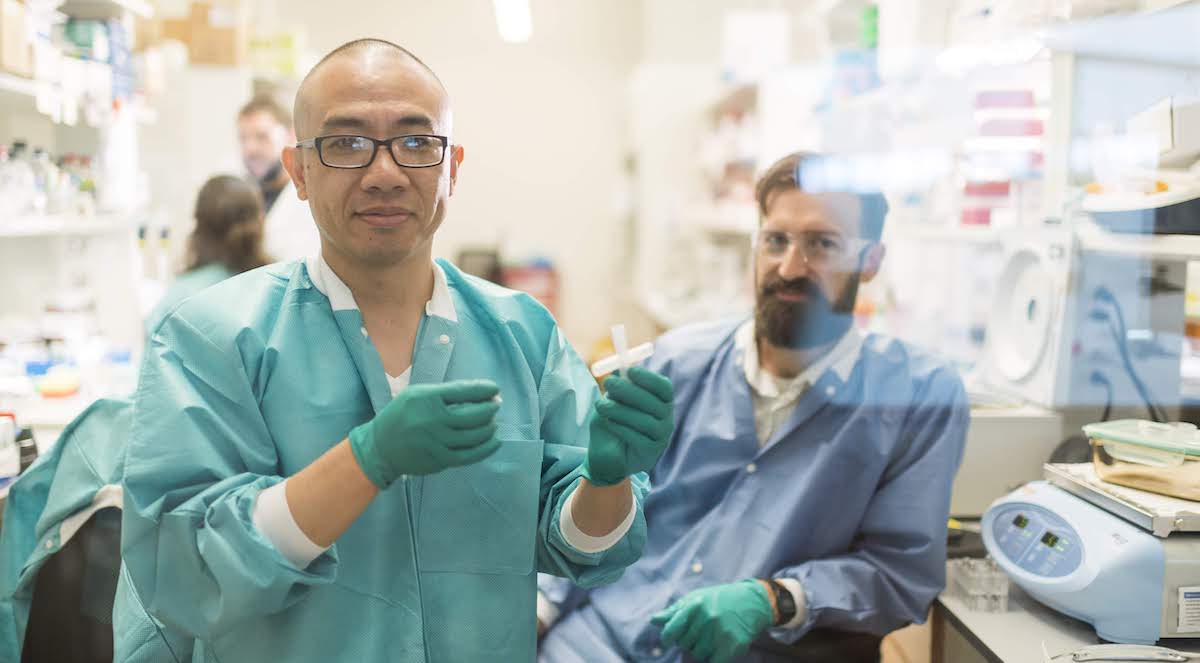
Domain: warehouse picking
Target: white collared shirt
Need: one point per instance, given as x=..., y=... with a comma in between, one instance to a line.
x=440, y=304
x=775, y=398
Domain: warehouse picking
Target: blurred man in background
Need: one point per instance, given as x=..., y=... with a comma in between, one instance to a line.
x=264, y=129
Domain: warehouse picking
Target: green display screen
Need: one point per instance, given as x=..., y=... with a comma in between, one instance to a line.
x=1050, y=539
x=1020, y=521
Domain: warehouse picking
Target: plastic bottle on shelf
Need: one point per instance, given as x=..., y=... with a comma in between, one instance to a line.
x=45, y=176
x=6, y=207
x=17, y=183
x=68, y=192
x=62, y=191
x=87, y=186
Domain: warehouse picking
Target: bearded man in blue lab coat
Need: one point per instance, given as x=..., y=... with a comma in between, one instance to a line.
x=800, y=510
x=367, y=455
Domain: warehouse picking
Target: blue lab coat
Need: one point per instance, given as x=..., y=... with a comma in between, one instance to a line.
x=850, y=497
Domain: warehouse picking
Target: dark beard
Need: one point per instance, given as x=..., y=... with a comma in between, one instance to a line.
x=267, y=181
x=803, y=325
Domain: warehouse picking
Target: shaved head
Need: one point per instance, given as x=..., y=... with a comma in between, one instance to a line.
x=384, y=212
x=366, y=51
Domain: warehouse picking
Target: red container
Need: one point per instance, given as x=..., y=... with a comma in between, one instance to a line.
x=977, y=216
x=1012, y=127
x=1004, y=99
x=538, y=279
x=991, y=189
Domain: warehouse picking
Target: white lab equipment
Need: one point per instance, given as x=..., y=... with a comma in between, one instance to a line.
x=1013, y=429
x=624, y=357
x=1085, y=319
x=1006, y=447
x=1028, y=331
x=1114, y=653
x=620, y=343
x=1125, y=561
x=615, y=362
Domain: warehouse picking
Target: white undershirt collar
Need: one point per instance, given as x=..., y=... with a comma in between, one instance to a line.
x=441, y=304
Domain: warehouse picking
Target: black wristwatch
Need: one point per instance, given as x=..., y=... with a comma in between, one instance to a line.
x=784, y=602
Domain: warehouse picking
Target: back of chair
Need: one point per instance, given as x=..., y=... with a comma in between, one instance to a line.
x=823, y=646
x=70, y=618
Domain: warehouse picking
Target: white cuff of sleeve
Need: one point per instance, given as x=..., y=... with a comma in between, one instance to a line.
x=586, y=543
x=547, y=612
x=273, y=519
x=794, y=588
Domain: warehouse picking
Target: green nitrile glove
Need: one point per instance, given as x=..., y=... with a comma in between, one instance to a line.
x=631, y=426
x=718, y=623
x=428, y=428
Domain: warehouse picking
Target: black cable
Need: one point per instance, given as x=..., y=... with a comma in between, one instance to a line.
x=1098, y=378
x=1120, y=334
x=1143, y=391
x=1123, y=343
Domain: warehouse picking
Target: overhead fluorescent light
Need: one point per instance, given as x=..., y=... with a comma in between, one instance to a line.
x=514, y=20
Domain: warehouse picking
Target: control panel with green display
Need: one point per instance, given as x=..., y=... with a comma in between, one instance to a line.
x=1037, y=540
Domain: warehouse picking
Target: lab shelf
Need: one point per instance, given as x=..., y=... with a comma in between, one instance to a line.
x=978, y=235
x=103, y=9
x=65, y=225
x=737, y=220
x=1164, y=247
x=45, y=99
x=1159, y=5
x=1163, y=32
x=21, y=94
x=17, y=86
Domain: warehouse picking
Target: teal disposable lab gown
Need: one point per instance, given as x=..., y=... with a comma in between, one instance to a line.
x=185, y=285
x=250, y=381
x=70, y=484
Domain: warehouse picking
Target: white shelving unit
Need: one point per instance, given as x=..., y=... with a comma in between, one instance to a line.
x=66, y=225
x=102, y=9
x=979, y=235
x=18, y=89
x=43, y=257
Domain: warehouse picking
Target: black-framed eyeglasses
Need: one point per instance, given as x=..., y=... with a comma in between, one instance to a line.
x=410, y=151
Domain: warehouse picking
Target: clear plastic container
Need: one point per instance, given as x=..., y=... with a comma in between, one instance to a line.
x=980, y=583
x=18, y=185
x=1160, y=458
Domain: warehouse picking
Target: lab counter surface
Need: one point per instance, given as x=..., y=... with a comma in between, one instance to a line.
x=1016, y=636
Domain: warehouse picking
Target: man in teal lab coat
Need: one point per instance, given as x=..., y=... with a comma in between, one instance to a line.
x=368, y=455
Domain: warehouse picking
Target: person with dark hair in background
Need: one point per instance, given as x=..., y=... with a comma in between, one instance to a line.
x=264, y=128
x=227, y=240
x=799, y=512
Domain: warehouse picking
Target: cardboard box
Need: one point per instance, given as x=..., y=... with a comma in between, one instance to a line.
x=215, y=33
x=16, y=42
x=220, y=34
x=147, y=32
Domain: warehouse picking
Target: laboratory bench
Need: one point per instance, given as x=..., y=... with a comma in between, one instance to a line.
x=960, y=635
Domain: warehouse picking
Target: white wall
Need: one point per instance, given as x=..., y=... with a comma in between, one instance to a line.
x=543, y=125
x=193, y=139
